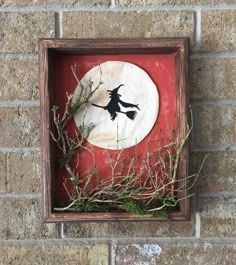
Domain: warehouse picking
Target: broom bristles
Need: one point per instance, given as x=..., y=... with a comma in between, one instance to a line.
x=131, y=114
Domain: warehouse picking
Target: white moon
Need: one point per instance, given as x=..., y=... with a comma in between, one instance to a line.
x=138, y=90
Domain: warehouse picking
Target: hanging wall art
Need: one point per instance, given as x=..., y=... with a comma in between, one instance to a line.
x=115, y=123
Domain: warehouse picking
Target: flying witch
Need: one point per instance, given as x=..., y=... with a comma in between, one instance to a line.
x=113, y=106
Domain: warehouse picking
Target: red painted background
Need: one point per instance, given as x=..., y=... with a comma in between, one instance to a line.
x=161, y=69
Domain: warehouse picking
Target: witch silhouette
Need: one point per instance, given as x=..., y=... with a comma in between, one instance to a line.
x=113, y=107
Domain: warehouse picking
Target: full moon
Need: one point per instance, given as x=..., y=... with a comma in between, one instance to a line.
x=122, y=110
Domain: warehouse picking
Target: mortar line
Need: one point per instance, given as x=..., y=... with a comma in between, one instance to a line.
x=197, y=30
x=112, y=252
x=56, y=242
x=57, y=25
x=195, y=130
x=113, y=4
x=213, y=102
x=197, y=225
x=215, y=194
x=54, y=8
x=61, y=230
x=217, y=7
x=219, y=149
x=15, y=195
x=7, y=173
x=212, y=55
x=60, y=24
x=213, y=148
x=18, y=56
x=19, y=103
x=26, y=150
x=133, y=240
x=105, y=8
x=197, y=220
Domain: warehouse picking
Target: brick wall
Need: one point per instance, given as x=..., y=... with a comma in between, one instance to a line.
x=210, y=237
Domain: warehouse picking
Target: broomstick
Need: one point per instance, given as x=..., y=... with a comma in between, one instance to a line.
x=130, y=114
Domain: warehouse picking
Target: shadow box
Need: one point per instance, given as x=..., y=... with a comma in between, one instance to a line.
x=114, y=129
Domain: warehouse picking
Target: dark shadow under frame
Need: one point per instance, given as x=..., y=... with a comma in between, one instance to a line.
x=48, y=50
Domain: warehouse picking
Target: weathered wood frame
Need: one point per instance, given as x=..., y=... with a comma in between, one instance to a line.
x=48, y=50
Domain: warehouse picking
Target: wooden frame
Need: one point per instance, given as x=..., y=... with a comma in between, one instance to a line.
x=49, y=49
